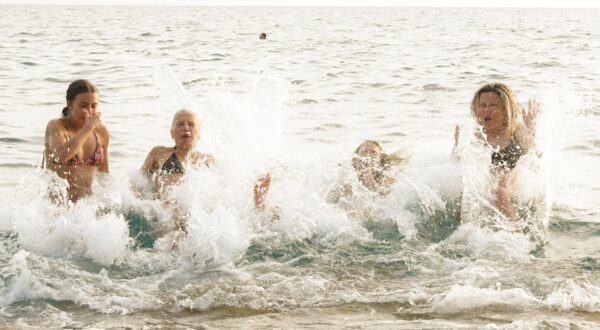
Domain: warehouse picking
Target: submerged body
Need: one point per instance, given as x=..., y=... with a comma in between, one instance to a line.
x=375, y=171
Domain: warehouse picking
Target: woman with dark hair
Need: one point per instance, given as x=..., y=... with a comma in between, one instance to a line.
x=76, y=145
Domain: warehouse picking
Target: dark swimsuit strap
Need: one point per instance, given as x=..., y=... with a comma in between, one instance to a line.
x=508, y=156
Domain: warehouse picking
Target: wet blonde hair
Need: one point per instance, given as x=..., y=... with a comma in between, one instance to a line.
x=186, y=112
x=512, y=113
x=367, y=142
x=386, y=160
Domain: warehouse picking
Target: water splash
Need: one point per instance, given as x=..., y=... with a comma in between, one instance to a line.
x=47, y=223
x=172, y=95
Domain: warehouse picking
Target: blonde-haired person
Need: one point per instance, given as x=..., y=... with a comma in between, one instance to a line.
x=376, y=171
x=374, y=167
x=76, y=145
x=164, y=166
x=509, y=130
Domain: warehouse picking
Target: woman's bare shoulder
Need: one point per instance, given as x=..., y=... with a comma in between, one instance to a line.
x=103, y=130
x=55, y=125
x=160, y=150
x=158, y=153
x=156, y=156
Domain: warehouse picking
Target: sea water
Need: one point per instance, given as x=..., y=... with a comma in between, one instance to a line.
x=296, y=105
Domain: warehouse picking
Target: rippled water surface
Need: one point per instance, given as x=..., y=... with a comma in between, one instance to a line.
x=296, y=105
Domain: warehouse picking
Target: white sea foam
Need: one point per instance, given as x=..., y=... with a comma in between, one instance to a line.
x=575, y=296
x=481, y=242
x=77, y=230
x=466, y=298
x=22, y=284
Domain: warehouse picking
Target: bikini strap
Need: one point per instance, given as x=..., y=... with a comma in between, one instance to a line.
x=97, y=141
x=66, y=128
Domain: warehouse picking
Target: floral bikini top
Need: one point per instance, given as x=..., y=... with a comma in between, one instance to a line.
x=95, y=159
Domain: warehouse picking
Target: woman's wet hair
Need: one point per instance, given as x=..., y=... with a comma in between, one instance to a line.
x=385, y=160
x=512, y=113
x=182, y=112
x=75, y=88
x=383, y=163
x=185, y=112
x=367, y=142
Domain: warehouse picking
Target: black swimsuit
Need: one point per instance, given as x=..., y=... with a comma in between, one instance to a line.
x=507, y=158
x=172, y=166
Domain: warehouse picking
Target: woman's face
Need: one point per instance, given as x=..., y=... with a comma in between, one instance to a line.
x=367, y=158
x=369, y=150
x=185, y=130
x=83, y=105
x=491, y=112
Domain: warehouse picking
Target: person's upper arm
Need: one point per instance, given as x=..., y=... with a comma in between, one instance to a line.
x=106, y=138
x=150, y=165
x=54, y=139
x=524, y=138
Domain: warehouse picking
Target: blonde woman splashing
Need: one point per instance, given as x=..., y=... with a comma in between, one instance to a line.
x=376, y=172
x=509, y=132
x=165, y=167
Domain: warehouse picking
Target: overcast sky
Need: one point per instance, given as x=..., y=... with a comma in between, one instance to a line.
x=340, y=3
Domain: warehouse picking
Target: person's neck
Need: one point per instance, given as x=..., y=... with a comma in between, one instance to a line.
x=182, y=152
x=72, y=125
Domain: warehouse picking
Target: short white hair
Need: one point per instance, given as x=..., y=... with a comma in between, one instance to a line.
x=185, y=112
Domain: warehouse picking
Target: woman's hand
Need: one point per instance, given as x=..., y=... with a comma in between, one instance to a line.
x=454, y=153
x=530, y=116
x=261, y=188
x=525, y=132
x=504, y=198
x=93, y=121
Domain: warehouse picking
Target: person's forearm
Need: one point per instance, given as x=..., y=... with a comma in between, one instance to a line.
x=68, y=149
x=504, y=203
